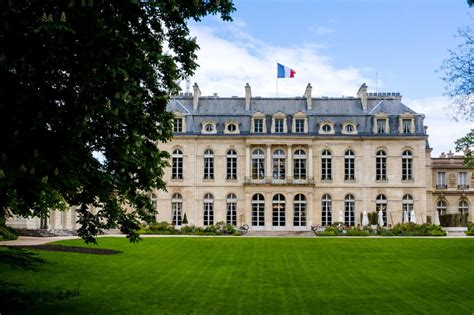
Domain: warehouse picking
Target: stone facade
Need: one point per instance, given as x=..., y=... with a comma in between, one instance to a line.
x=289, y=163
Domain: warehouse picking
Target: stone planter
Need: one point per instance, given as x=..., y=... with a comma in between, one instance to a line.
x=455, y=230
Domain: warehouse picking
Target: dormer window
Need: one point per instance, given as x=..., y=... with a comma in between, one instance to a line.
x=349, y=128
x=406, y=123
x=209, y=127
x=231, y=127
x=381, y=125
x=258, y=123
x=279, y=125
x=178, y=125
x=326, y=128
x=300, y=123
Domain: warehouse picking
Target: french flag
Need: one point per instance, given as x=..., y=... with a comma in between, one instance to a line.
x=285, y=72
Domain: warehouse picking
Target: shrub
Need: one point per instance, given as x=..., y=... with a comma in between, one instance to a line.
x=356, y=231
x=160, y=228
x=185, y=219
x=453, y=219
x=411, y=229
x=327, y=233
x=372, y=218
x=7, y=233
x=470, y=230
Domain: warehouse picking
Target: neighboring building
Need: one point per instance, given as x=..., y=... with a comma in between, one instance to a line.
x=289, y=163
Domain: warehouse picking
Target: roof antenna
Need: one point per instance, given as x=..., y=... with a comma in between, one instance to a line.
x=376, y=82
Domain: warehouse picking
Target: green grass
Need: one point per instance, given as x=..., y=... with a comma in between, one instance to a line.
x=261, y=275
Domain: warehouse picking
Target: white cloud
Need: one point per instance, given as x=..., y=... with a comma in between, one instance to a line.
x=442, y=130
x=226, y=64
x=228, y=61
x=321, y=30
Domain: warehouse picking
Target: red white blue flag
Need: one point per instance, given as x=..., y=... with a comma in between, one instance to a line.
x=285, y=72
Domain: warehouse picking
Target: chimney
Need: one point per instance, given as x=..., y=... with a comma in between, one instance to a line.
x=362, y=94
x=248, y=96
x=196, y=95
x=307, y=94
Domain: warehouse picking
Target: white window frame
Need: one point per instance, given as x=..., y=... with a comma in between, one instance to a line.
x=208, y=164
x=231, y=165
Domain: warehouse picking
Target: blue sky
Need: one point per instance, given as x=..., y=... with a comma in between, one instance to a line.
x=337, y=45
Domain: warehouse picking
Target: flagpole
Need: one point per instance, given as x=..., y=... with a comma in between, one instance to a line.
x=277, y=87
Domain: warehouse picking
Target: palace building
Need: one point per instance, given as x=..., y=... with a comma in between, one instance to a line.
x=289, y=163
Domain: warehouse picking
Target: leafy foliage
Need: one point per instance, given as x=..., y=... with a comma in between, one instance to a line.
x=466, y=144
x=453, y=219
x=220, y=228
x=84, y=89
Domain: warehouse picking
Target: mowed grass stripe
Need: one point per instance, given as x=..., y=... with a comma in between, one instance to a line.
x=261, y=275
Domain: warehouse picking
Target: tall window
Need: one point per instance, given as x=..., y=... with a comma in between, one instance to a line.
x=326, y=208
x=279, y=161
x=258, y=125
x=258, y=164
x=407, y=207
x=441, y=180
x=407, y=165
x=462, y=180
x=208, y=164
x=299, y=167
x=178, y=125
x=278, y=205
x=208, y=209
x=279, y=122
x=381, y=205
x=381, y=126
x=231, y=209
x=231, y=165
x=349, y=210
x=463, y=207
x=154, y=201
x=441, y=207
x=177, y=164
x=326, y=165
x=349, y=165
x=299, y=208
x=381, y=165
x=176, y=209
x=258, y=210
x=406, y=125
x=299, y=125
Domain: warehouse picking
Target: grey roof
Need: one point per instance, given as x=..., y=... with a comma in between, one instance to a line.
x=336, y=110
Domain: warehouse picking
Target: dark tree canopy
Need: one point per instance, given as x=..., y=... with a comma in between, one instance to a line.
x=87, y=77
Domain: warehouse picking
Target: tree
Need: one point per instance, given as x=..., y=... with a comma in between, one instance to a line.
x=466, y=144
x=84, y=87
x=458, y=71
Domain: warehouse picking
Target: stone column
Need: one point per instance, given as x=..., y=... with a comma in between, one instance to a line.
x=248, y=162
x=268, y=163
x=268, y=211
x=289, y=213
x=289, y=164
x=310, y=162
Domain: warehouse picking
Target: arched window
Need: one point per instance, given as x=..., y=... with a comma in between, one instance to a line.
x=279, y=161
x=407, y=208
x=176, y=209
x=231, y=127
x=278, y=214
x=349, y=210
x=349, y=165
x=177, y=164
x=154, y=201
x=258, y=164
x=299, y=167
x=208, y=209
x=231, y=209
x=441, y=207
x=209, y=128
x=463, y=207
x=381, y=205
x=407, y=165
x=208, y=164
x=258, y=210
x=299, y=209
x=381, y=165
x=326, y=170
x=326, y=208
x=231, y=165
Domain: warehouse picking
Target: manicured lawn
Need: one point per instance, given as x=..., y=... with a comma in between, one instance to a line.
x=261, y=275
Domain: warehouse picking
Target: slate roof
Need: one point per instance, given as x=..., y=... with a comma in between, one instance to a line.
x=337, y=110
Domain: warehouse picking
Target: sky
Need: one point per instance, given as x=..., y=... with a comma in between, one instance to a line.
x=336, y=45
